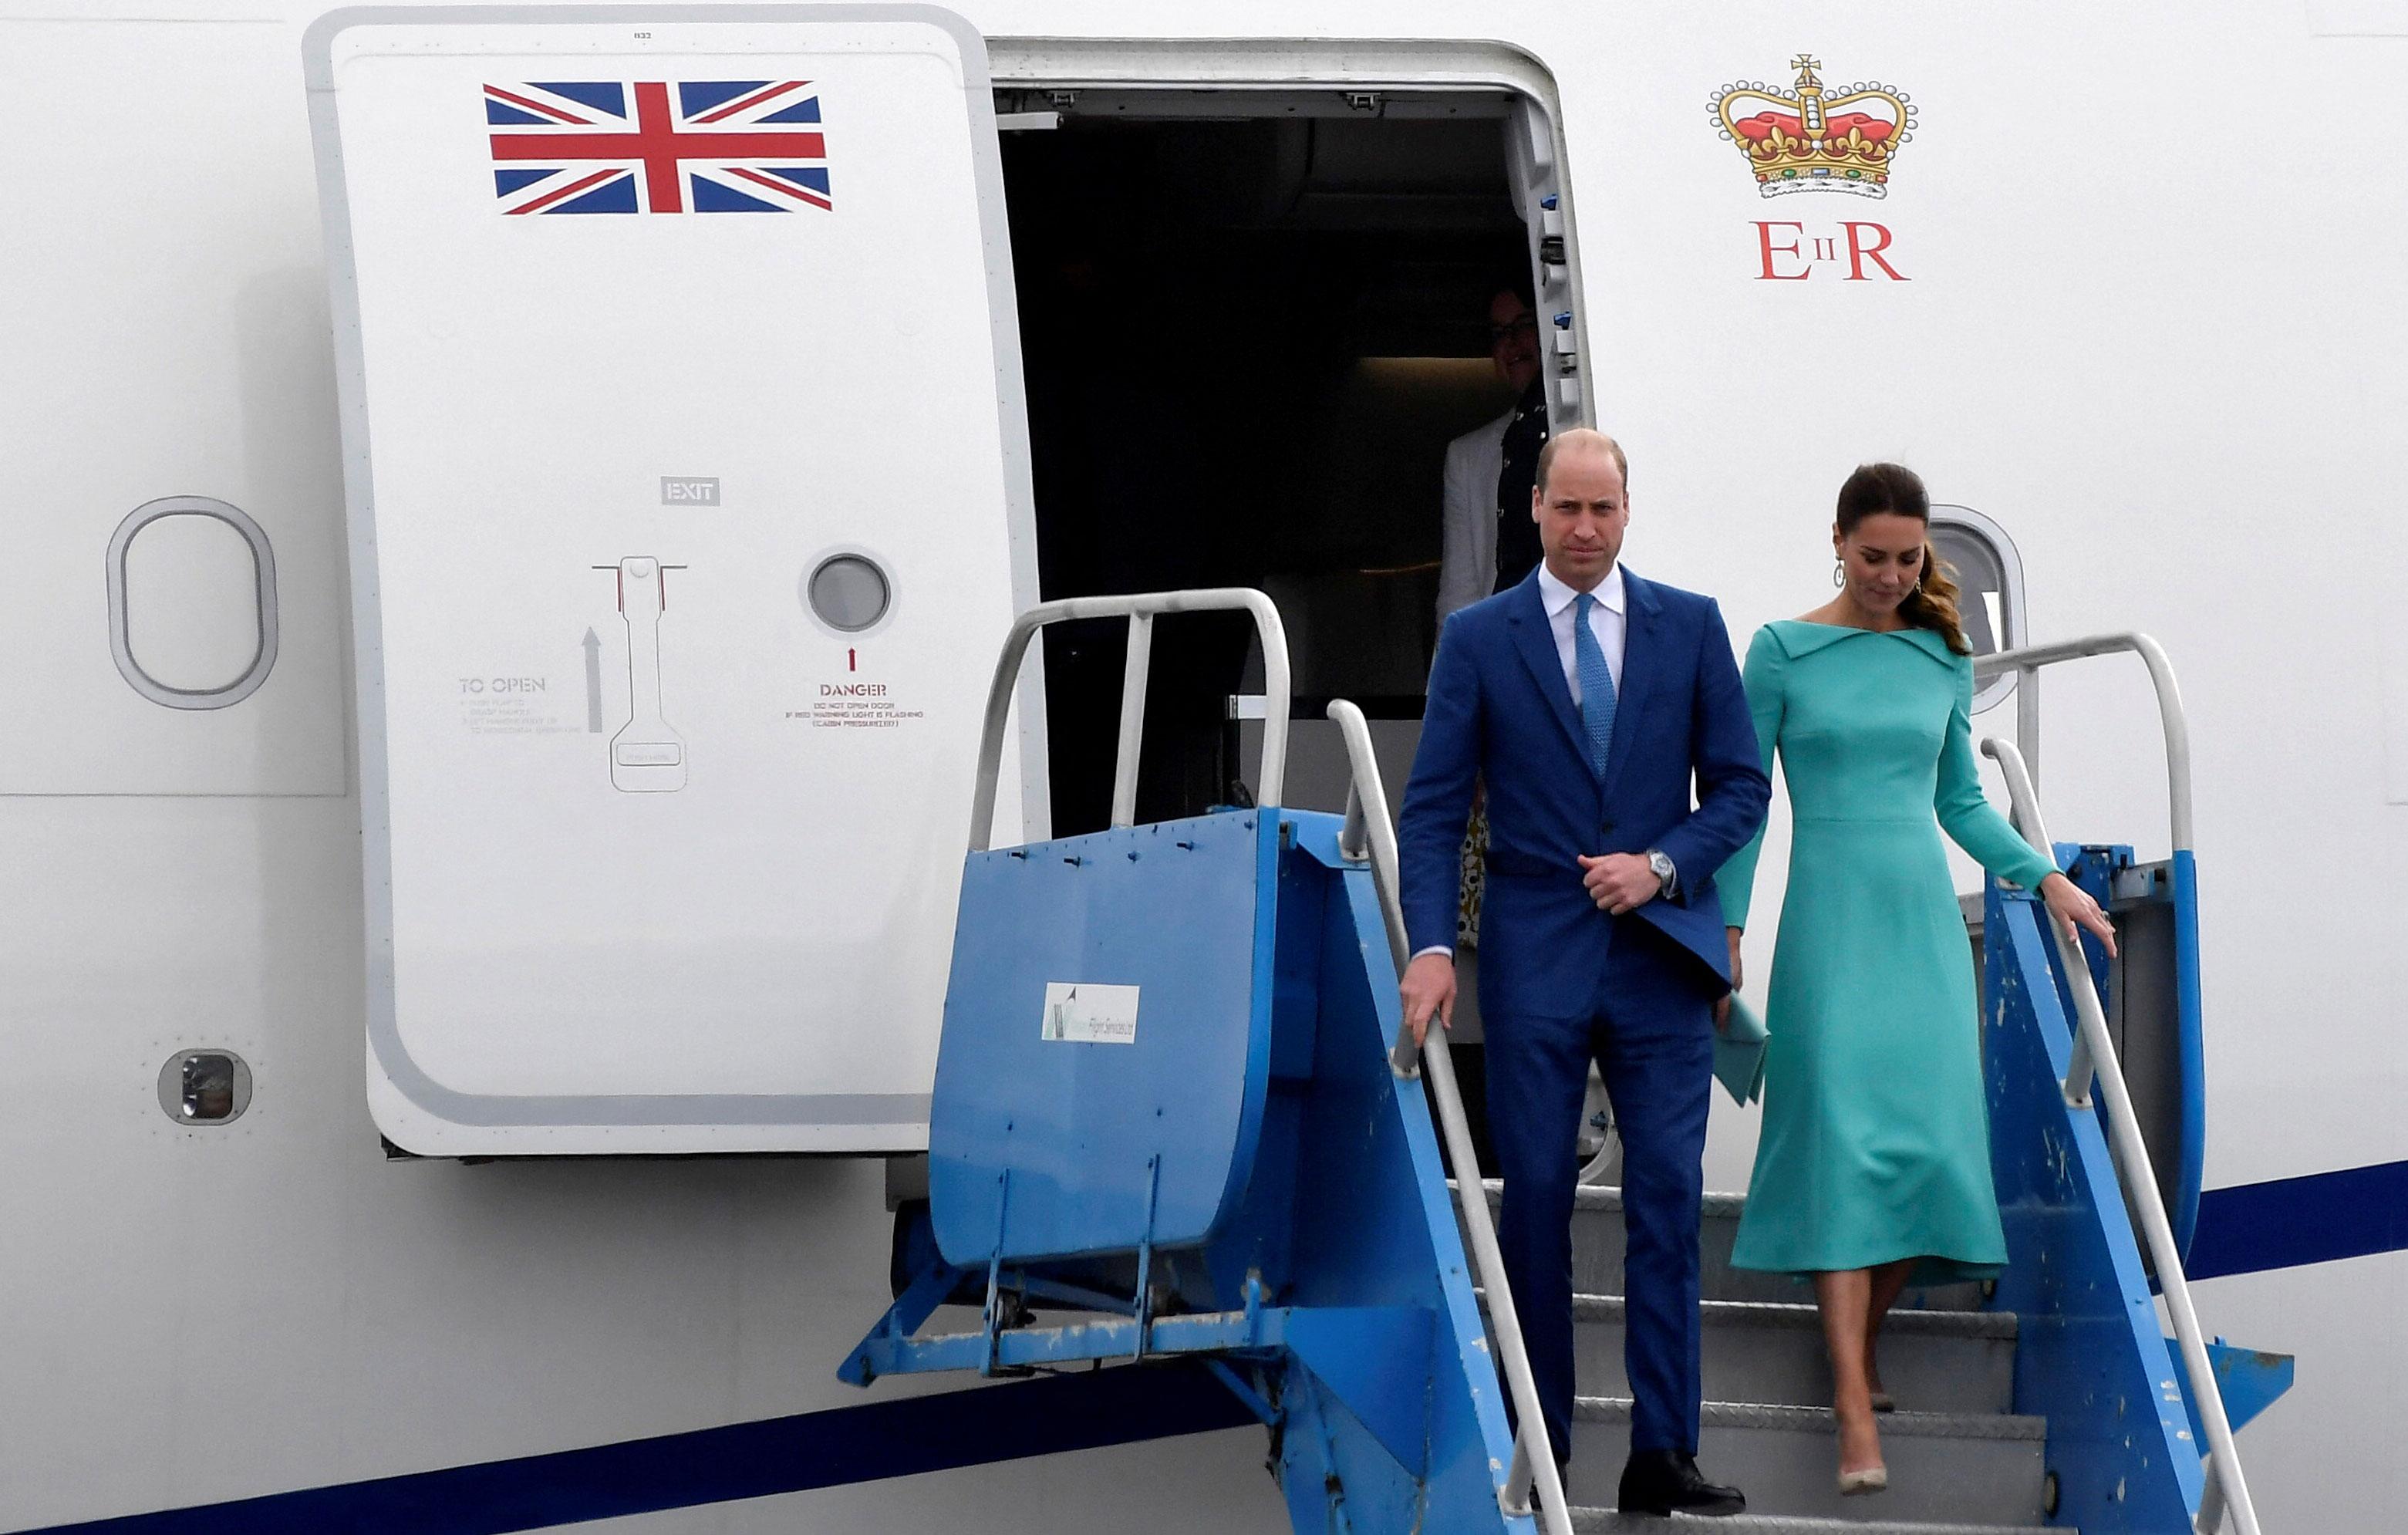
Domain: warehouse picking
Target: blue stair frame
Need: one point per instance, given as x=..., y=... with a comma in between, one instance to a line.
x=2124, y=1441
x=1233, y=1177
x=1242, y=1179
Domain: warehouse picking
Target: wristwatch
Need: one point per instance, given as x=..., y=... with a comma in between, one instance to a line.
x=1664, y=870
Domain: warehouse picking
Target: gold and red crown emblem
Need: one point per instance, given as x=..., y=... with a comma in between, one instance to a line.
x=1811, y=138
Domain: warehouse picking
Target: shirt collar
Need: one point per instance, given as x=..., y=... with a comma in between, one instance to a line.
x=1555, y=597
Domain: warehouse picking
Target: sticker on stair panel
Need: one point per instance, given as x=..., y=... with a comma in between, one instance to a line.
x=1085, y=1012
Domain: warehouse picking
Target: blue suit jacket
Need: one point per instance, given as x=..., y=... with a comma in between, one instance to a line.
x=1500, y=710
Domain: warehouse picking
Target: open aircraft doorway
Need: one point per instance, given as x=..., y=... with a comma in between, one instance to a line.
x=1253, y=317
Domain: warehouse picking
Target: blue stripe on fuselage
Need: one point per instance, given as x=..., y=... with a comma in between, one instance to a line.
x=2290, y=1222
x=832, y=1448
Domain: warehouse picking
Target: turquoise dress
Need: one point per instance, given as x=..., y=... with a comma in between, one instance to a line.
x=1876, y=1141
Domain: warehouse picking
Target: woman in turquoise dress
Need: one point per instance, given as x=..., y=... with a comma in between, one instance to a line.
x=1874, y=1160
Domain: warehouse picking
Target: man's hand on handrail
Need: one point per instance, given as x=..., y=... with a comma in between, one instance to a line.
x=1427, y=987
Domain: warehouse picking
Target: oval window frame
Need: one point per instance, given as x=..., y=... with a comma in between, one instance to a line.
x=2012, y=632
x=263, y=564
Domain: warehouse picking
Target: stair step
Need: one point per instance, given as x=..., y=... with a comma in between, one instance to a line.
x=1804, y=1316
x=1605, y=1521
x=1598, y=1248
x=1944, y=1466
x=1766, y=1351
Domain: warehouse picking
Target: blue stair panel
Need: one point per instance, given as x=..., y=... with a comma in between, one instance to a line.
x=1245, y=1182
x=1041, y=1146
x=2090, y=1359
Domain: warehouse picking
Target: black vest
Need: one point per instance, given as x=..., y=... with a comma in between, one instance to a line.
x=1518, y=550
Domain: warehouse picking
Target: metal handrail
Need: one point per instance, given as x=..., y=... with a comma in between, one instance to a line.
x=1369, y=835
x=1140, y=608
x=2226, y=1487
x=2026, y=662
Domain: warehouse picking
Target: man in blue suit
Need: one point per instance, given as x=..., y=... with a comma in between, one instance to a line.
x=1591, y=703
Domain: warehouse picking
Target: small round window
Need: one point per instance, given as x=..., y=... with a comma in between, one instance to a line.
x=1990, y=579
x=849, y=592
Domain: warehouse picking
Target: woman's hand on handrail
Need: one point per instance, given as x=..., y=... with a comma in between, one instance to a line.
x=2074, y=911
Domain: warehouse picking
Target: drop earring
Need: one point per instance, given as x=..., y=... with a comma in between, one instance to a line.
x=1839, y=574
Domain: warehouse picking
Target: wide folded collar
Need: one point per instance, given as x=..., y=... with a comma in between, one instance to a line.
x=1802, y=638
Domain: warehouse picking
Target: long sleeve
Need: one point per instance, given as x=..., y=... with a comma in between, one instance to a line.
x=1966, y=812
x=1765, y=677
x=1437, y=797
x=1732, y=787
x=1461, y=578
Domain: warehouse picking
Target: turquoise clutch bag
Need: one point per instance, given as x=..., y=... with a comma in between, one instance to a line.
x=1738, y=1052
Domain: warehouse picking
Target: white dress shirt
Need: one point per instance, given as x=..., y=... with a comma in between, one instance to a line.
x=1607, y=621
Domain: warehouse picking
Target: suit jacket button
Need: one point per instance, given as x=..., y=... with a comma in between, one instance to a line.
x=1605, y=829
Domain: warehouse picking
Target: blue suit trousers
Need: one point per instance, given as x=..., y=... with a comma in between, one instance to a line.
x=1651, y=1033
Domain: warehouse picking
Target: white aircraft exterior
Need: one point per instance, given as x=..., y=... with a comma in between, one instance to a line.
x=2125, y=287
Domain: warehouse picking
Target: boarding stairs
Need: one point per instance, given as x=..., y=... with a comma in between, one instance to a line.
x=1177, y=1122
x=1961, y=1459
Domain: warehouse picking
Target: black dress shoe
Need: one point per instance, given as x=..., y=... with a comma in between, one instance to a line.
x=1668, y=1481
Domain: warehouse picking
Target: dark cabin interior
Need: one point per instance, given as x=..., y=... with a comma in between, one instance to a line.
x=1247, y=343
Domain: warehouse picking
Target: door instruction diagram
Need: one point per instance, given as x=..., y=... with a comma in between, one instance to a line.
x=646, y=755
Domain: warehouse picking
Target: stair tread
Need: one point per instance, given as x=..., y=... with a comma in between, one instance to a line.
x=1594, y=1205
x=1609, y=1197
x=1903, y=1322
x=1756, y=1414
x=1606, y=1521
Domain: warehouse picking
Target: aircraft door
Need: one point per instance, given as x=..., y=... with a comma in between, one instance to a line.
x=688, y=506
x=1534, y=163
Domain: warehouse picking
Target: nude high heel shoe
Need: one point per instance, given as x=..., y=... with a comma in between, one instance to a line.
x=1871, y=1479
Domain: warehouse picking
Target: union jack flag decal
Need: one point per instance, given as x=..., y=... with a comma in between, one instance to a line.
x=656, y=147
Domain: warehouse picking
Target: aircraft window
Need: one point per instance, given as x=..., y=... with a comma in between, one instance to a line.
x=849, y=593
x=204, y=1086
x=1990, y=576
x=192, y=602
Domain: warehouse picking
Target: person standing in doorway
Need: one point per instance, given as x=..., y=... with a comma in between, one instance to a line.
x=1605, y=715
x=1488, y=542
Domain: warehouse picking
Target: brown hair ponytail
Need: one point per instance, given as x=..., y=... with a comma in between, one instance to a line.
x=1932, y=604
x=1894, y=488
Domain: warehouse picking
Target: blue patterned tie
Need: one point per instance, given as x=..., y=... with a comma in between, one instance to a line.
x=1596, y=684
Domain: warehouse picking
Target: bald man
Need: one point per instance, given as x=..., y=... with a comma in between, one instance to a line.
x=1605, y=715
